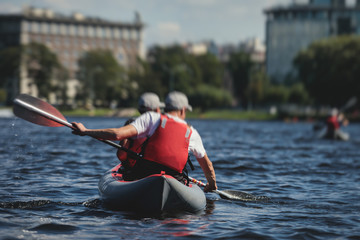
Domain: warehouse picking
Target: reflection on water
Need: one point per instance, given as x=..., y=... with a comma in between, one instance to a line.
x=49, y=178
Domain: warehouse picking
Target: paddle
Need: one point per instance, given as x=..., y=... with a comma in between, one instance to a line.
x=351, y=102
x=232, y=194
x=42, y=113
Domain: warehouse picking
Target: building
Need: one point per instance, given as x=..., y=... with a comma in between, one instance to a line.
x=255, y=48
x=69, y=37
x=292, y=28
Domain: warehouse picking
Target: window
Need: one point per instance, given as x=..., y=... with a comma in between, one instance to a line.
x=117, y=33
x=99, y=32
x=125, y=34
x=71, y=30
x=133, y=34
x=67, y=30
x=90, y=31
x=44, y=28
x=63, y=29
x=29, y=26
x=35, y=27
x=58, y=29
x=81, y=31
x=48, y=31
x=76, y=30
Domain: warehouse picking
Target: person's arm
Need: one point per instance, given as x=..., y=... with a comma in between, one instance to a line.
x=106, y=134
x=209, y=172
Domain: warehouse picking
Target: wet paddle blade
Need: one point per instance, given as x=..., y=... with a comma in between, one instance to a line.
x=37, y=111
x=351, y=102
x=242, y=196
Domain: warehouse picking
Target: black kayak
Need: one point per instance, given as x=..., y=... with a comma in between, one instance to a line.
x=153, y=194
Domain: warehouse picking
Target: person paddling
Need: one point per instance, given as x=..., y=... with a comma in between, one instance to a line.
x=333, y=123
x=147, y=102
x=169, y=139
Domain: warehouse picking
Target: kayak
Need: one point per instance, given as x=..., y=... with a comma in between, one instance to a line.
x=155, y=193
x=338, y=135
x=335, y=135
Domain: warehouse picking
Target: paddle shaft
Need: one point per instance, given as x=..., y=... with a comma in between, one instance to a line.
x=201, y=184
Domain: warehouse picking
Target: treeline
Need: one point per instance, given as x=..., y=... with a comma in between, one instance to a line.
x=326, y=75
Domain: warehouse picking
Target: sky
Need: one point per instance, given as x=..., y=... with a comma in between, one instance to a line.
x=171, y=21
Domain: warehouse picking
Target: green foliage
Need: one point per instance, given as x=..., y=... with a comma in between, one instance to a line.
x=211, y=70
x=298, y=94
x=3, y=95
x=236, y=115
x=255, y=91
x=102, y=78
x=41, y=65
x=240, y=66
x=200, y=77
x=9, y=64
x=276, y=94
x=176, y=69
x=9, y=69
x=330, y=69
x=146, y=79
x=208, y=97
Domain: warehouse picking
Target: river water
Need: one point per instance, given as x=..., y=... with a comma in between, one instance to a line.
x=48, y=184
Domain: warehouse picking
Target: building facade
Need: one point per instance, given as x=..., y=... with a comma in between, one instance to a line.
x=69, y=37
x=293, y=28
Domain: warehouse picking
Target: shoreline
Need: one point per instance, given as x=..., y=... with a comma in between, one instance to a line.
x=220, y=114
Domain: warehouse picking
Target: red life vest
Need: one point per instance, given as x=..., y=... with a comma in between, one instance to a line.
x=333, y=123
x=134, y=145
x=169, y=144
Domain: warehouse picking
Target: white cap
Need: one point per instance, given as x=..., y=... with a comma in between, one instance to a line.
x=334, y=112
x=148, y=101
x=176, y=101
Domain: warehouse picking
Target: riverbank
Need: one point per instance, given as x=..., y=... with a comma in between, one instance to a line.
x=221, y=114
x=213, y=114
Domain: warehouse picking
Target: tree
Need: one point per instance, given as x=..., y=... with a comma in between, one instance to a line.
x=211, y=70
x=330, y=69
x=298, y=94
x=9, y=68
x=41, y=65
x=200, y=77
x=240, y=66
x=146, y=80
x=102, y=79
x=207, y=97
x=276, y=94
x=255, y=91
x=176, y=69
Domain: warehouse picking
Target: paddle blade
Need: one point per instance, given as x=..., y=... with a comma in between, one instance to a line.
x=351, y=102
x=37, y=111
x=242, y=196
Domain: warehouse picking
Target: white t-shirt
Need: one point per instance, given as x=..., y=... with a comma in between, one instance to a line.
x=148, y=122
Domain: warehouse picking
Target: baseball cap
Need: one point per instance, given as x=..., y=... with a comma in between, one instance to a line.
x=149, y=100
x=176, y=101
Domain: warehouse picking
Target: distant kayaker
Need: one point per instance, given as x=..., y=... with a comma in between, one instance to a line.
x=168, y=140
x=333, y=123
